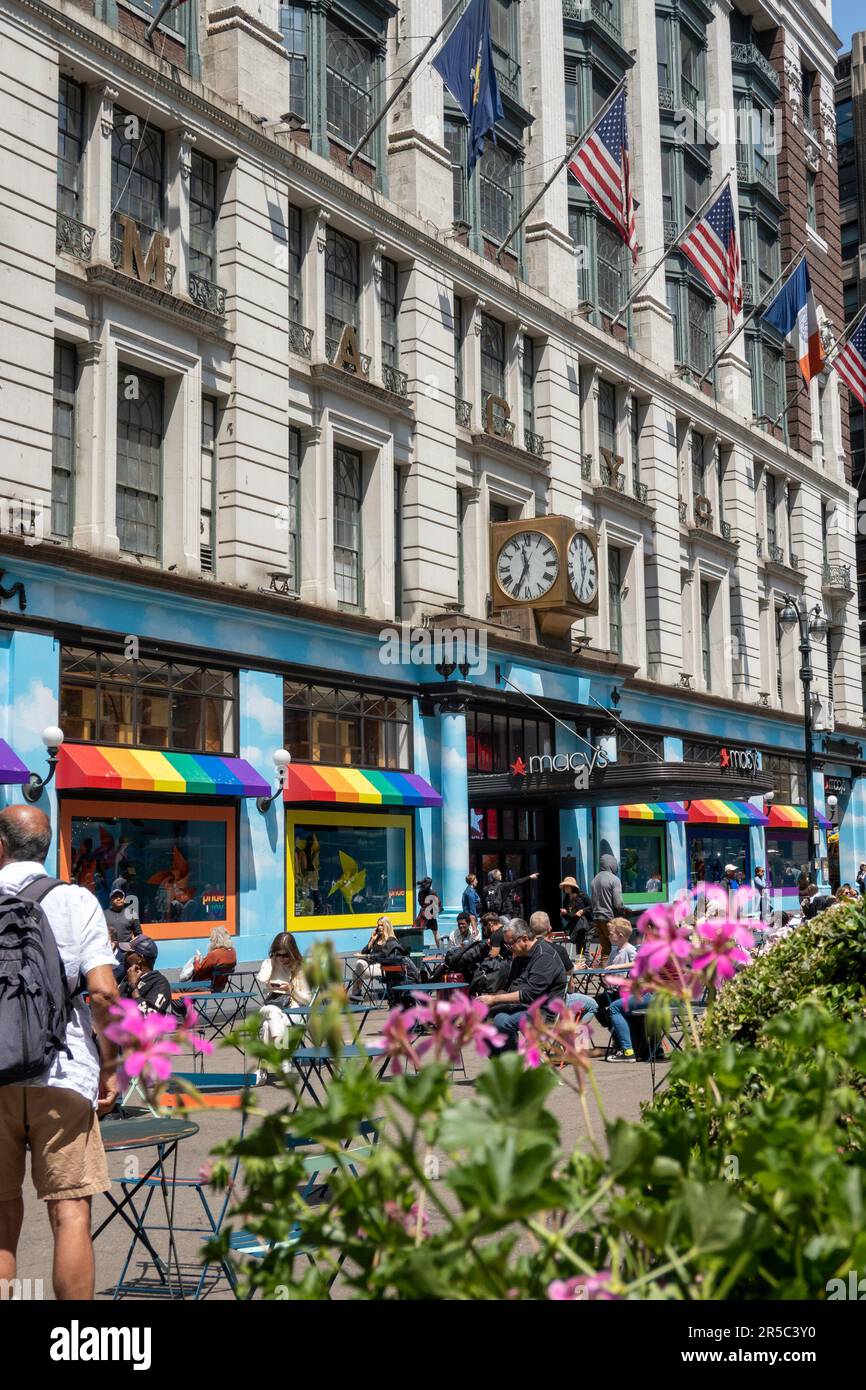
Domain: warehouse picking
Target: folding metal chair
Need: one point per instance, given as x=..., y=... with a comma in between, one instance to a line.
x=218, y=1091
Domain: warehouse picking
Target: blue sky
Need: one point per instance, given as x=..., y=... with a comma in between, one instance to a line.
x=848, y=15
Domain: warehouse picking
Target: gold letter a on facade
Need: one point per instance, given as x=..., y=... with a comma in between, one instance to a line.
x=348, y=356
x=132, y=258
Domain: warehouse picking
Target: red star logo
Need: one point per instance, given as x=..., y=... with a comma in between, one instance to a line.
x=518, y=767
x=725, y=758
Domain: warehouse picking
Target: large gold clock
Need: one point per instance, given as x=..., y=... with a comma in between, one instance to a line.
x=545, y=563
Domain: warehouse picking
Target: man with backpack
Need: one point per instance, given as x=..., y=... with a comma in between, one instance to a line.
x=501, y=896
x=57, y=1071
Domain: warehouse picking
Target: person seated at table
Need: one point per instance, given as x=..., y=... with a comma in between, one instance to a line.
x=621, y=960
x=575, y=910
x=464, y=932
x=148, y=986
x=383, y=948
x=493, y=932
x=219, y=962
x=283, y=974
x=542, y=976
x=621, y=957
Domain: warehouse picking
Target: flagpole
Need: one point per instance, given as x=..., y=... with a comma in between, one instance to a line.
x=828, y=361
x=560, y=166
x=673, y=246
x=371, y=129
x=757, y=309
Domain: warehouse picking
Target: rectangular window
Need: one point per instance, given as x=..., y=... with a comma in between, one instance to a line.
x=772, y=506
x=342, y=286
x=699, y=465
x=493, y=741
x=607, y=415
x=610, y=250
x=390, y=304
x=398, y=542
x=614, y=589
x=850, y=240
x=663, y=66
x=528, y=378
x=70, y=147
x=672, y=294
x=700, y=331
x=147, y=702
x=343, y=727
x=349, y=68
x=787, y=857
x=497, y=192
x=768, y=260
x=691, y=69
x=635, y=428
x=461, y=551
x=831, y=661
x=811, y=203
x=63, y=440
x=180, y=860
x=137, y=172
x=643, y=863
x=293, y=26
x=773, y=375
x=455, y=143
x=207, y=525
x=668, y=209
x=296, y=267
x=348, y=496
x=139, y=462
x=706, y=615
x=709, y=848
x=492, y=358
x=694, y=186
x=293, y=512
x=779, y=634
x=458, y=348
x=202, y=217
x=322, y=889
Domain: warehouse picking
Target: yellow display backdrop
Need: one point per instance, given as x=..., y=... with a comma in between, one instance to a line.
x=337, y=865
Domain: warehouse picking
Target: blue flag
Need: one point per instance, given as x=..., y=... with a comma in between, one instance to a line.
x=465, y=64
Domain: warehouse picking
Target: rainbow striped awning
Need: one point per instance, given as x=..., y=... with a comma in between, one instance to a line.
x=725, y=813
x=315, y=782
x=653, y=810
x=84, y=766
x=794, y=818
x=12, y=770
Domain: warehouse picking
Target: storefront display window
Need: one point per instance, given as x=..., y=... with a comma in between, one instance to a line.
x=643, y=863
x=711, y=847
x=345, y=871
x=494, y=741
x=178, y=861
x=787, y=856
x=346, y=728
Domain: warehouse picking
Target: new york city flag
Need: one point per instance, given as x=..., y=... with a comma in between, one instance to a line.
x=465, y=64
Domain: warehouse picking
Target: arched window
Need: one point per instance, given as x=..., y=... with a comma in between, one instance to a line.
x=349, y=69
x=137, y=171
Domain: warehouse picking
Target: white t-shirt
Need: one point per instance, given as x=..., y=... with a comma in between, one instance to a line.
x=77, y=921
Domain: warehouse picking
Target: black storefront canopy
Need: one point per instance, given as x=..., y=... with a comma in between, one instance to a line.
x=619, y=784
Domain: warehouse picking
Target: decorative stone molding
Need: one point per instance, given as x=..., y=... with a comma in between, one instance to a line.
x=323, y=217
x=187, y=140
x=379, y=249
x=480, y=306
x=108, y=95
x=794, y=83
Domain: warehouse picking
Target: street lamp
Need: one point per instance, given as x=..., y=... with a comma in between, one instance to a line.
x=814, y=622
x=52, y=737
x=281, y=759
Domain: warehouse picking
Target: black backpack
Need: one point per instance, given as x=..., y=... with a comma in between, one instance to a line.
x=491, y=977
x=34, y=997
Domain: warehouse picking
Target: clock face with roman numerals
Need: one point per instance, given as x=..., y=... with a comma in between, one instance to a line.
x=527, y=566
x=582, y=569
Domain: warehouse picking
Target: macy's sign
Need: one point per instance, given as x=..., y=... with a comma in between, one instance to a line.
x=568, y=762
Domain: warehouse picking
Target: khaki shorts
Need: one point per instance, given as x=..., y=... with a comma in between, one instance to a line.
x=61, y=1130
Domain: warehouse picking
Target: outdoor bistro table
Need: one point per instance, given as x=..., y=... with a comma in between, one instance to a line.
x=314, y=1064
x=127, y=1136
x=427, y=988
x=350, y=1010
x=228, y=1008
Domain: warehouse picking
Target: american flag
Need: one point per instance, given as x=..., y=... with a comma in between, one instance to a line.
x=601, y=166
x=713, y=247
x=851, y=363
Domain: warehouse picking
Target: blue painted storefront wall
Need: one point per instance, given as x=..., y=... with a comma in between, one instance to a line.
x=29, y=674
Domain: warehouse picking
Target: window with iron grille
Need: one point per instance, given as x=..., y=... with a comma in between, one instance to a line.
x=831, y=661
x=788, y=777
x=293, y=512
x=296, y=266
x=706, y=615
x=494, y=740
x=528, y=378
x=699, y=464
x=607, y=415
x=611, y=261
x=496, y=178
x=634, y=748
x=768, y=259
x=202, y=217
x=139, y=462
x=207, y=522
x=694, y=186
x=614, y=589
x=293, y=26
x=70, y=147
x=137, y=172
x=700, y=331
x=346, y=727
x=342, y=284
x=349, y=68
x=773, y=380
x=390, y=308
x=348, y=498
x=150, y=702
x=63, y=440
x=455, y=143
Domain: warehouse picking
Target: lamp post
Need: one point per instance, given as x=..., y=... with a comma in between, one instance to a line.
x=281, y=759
x=52, y=737
x=814, y=622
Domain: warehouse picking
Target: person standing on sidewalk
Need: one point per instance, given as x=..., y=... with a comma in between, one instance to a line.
x=606, y=893
x=54, y=1114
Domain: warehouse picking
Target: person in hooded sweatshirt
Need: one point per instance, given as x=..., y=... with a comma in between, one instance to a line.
x=606, y=893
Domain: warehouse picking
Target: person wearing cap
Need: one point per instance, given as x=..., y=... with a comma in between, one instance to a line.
x=573, y=912
x=120, y=915
x=143, y=983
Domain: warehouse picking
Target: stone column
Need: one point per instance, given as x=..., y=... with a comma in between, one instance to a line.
x=179, y=146
x=419, y=167
x=454, y=787
x=317, y=517
x=548, y=248
x=99, y=120
x=672, y=751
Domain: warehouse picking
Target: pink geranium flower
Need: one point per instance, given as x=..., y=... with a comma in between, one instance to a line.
x=454, y=1024
x=407, y=1219
x=145, y=1042
x=727, y=945
x=584, y=1288
x=665, y=944
x=565, y=1038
